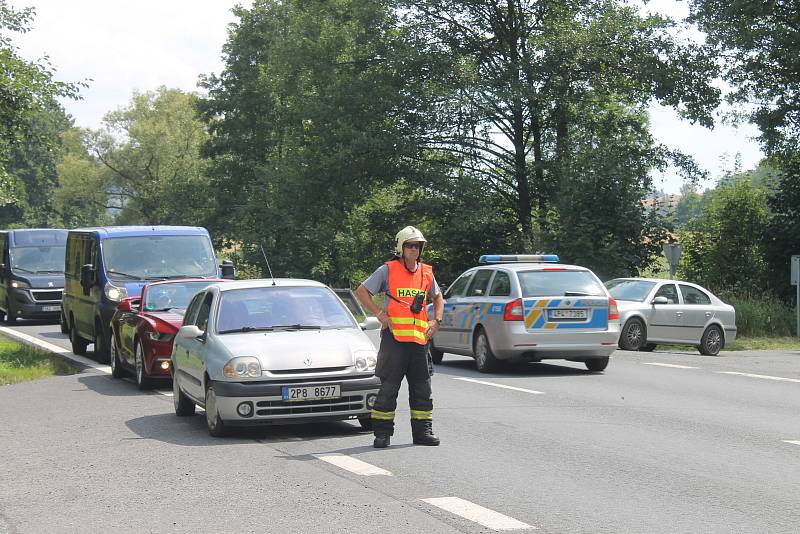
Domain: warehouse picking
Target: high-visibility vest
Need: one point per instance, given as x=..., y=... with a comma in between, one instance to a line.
x=403, y=285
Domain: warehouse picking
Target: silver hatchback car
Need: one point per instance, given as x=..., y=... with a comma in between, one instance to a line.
x=655, y=311
x=527, y=308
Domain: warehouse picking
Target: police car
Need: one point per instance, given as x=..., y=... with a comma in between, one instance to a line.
x=528, y=308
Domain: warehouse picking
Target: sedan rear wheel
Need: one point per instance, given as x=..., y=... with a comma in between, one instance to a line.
x=142, y=379
x=485, y=359
x=633, y=335
x=214, y=422
x=184, y=406
x=712, y=341
x=116, y=365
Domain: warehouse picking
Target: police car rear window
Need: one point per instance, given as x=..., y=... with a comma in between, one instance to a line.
x=559, y=284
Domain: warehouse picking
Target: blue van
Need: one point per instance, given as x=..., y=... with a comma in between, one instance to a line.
x=106, y=265
x=31, y=273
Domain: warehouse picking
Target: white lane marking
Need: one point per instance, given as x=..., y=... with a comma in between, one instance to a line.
x=793, y=442
x=477, y=514
x=66, y=353
x=354, y=465
x=765, y=377
x=500, y=385
x=670, y=365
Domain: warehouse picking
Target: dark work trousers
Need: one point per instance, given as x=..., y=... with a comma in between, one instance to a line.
x=398, y=359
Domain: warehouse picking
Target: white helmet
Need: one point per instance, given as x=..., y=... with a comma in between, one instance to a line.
x=409, y=233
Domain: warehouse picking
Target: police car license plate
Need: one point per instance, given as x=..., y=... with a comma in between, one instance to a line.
x=302, y=393
x=51, y=308
x=568, y=314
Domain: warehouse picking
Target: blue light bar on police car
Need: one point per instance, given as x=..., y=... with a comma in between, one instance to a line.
x=517, y=258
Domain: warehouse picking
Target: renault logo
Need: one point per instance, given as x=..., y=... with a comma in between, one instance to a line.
x=307, y=361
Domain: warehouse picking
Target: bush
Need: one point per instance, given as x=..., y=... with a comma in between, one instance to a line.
x=762, y=316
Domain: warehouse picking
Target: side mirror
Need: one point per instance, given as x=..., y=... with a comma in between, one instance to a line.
x=87, y=275
x=129, y=304
x=370, y=323
x=660, y=300
x=227, y=270
x=190, y=331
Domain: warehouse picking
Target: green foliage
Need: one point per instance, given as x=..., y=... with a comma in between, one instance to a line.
x=19, y=363
x=81, y=198
x=762, y=315
x=724, y=245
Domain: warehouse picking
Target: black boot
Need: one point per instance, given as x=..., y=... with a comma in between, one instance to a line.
x=381, y=441
x=422, y=432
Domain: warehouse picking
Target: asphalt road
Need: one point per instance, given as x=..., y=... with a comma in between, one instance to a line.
x=660, y=442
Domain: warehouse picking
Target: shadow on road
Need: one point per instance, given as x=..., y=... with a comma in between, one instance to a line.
x=53, y=335
x=466, y=368
x=106, y=385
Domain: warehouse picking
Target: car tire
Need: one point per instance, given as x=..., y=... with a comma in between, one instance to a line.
x=143, y=380
x=436, y=355
x=2, y=316
x=648, y=347
x=596, y=365
x=633, y=335
x=184, y=406
x=485, y=360
x=116, y=365
x=712, y=341
x=63, y=324
x=77, y=342
x=102, y=345
x=365, y=422
x=216, y=427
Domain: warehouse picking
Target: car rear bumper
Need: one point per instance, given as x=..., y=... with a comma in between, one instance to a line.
x=357, y=397
x=519, y=344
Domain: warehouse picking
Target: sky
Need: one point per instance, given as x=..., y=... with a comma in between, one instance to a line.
x=123, y=46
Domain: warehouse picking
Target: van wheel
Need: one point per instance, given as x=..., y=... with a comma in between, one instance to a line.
x=63, y=324
x=596, y=365
x=436, y=355
x=712, y=341
x=213, y=421
x=10, y=317
x=78, y=343
x=2, y=316
x=102, y=347
x=485, y=360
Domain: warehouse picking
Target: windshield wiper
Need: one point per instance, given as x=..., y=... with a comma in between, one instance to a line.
x=50, y=271
x=247, y=329
x=126, y=275
x=17, y=268
x=298, y=326
x=576, y=294
x=160, y=309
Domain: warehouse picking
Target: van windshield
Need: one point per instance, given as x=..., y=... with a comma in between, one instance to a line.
x=158, y=256
x=42, y=259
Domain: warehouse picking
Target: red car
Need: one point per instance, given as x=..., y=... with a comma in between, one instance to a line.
x=143, y=329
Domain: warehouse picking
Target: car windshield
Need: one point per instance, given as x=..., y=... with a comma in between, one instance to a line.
x=171, y=296
x=281, y=308
x=633, y=290
x=559, y=283
x=39, y=259
x=159, y=256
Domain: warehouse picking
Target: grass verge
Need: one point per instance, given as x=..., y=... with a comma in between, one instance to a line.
x=764, y=343
x=19, y=363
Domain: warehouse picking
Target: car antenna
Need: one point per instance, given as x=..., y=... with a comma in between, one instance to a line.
x=268, y=267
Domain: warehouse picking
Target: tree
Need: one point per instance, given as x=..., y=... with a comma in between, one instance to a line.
x=28, y=94
x=527, y=70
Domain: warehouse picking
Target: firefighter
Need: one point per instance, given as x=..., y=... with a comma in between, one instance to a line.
x=405, y=282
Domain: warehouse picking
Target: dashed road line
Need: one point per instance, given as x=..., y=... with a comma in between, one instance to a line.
x=477, y=514
x=354, y=465
x=670, y=365
x=533, y=391
x=765, y=377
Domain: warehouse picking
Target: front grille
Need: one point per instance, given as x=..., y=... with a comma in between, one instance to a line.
x=282, y=407
x=47, y=295
x=308, y=370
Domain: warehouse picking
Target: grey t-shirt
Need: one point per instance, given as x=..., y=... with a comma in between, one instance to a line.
x=378, y=282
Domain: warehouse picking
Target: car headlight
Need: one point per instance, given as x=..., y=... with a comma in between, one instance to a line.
x=114, y=293
x=242, y=367
x=19, y=284
x=366, y=360
x=160, y=336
